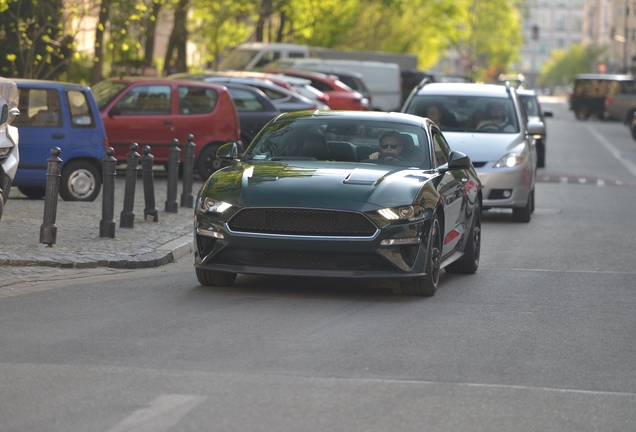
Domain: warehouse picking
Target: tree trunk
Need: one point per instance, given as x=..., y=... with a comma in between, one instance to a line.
x=178, y=41
x=281, y=29
x=265, y=13
x=150, y=33
x=104, y=17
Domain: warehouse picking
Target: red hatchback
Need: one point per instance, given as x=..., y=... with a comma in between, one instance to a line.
x=153, y=112
x=341, y=96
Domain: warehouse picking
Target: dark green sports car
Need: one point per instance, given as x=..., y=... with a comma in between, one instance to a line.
x=341, y=194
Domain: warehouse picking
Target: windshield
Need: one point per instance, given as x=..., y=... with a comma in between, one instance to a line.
x=105, y=91
x=467, y=113
x=341, y=140
x=530, y=104
x=237, y=59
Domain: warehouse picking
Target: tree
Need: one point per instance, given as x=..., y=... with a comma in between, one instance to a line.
x=34, y=45
x=562, y=66
x=102, y=23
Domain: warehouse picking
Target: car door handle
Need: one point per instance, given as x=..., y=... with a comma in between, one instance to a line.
x=167, y=122
x=57, y=136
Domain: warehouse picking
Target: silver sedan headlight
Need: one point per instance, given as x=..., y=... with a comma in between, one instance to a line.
x=514, y=157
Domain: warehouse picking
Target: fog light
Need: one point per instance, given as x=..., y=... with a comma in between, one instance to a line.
x=400, y=241
x=209, y=233
x=507, y=193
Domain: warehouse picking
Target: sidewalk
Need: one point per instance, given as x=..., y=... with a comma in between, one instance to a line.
x=78, y=245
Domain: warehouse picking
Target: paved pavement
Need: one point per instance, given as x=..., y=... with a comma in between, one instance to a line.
x=78, y=245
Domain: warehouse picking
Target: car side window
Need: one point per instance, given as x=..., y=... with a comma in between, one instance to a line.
x=39, y=108
x=196, y=100
x=246, y=101
x=273, y=94
x=81, y=113
x=146, y=100
x=441, y=151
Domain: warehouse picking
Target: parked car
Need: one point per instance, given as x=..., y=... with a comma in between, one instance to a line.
x=353, y=80
x=64, y=115
x=9, y=138
x=284, y=99
x=621, y=106
x=504, y=154
x=155, y=111
x=341, y=96
x=254, y=110
x=308, y=199
x=590, y=90
x=536, y=114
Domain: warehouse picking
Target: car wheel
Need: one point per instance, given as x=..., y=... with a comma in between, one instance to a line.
x=80, y=181
x=208, y=163
x=469, y=262
x=581, y=112
x=33, y=192
x=633, y=130
x=214, y=278
x=1, y=206
x=532, y=208
x=541, y=162
x=523, y=214
x=427, y=285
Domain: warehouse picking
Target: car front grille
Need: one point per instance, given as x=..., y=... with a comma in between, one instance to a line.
x=303, y=260
x=306, y=222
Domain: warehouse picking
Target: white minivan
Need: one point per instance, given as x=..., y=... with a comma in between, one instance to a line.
x=383, y=80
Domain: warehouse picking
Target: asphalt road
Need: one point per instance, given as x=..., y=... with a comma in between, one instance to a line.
x=542, y=338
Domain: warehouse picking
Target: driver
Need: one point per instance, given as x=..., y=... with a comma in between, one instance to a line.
x=497, y=119
x=390, y=143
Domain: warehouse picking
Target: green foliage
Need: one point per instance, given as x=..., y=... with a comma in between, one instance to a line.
x=35, y=44
x=562, y=66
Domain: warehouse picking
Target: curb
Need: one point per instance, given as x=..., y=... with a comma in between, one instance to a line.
x=169, y=252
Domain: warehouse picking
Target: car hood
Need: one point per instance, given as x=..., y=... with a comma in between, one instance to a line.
x=483, y=147
x=336, y=185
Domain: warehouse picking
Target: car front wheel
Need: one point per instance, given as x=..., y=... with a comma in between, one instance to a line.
x=80, y=181
x=524, y=213
x=207, y=163
x=214, y=278
x=427, y=285
x=581, y=112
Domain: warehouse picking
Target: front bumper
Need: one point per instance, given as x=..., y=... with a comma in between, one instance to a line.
x=506, y=187
x=375, y=256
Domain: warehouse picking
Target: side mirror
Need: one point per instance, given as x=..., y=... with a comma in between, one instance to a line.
x=458, y=160
x=548, y=113
x=114, y=111
x=228, y=151
x=536, y=128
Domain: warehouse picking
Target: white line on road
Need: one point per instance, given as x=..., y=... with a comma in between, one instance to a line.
x=631, y=167
x=163, y=413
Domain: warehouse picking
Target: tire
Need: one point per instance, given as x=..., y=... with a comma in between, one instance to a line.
x=81, y=181
x=532, y=208
x=581, y=112
x=427, y=285
x=1, y=206
x=33, y=192
x=208, y=163
x=541, y=162
x=214, y=278
x=469, y=262
x=524, y=213
x=632, y=128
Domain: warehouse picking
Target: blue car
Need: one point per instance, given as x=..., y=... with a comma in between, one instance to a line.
x=64, y=115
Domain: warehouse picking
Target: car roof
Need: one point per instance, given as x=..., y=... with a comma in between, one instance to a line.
x=605, y=77
x=465, y=89
x=525, y=92
x=48, y=83
x=396, y=117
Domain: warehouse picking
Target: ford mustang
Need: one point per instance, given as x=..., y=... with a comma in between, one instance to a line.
x=341, y=194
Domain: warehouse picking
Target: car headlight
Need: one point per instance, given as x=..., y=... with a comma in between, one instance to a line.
x=211, y=205
x=410, y=213
x=514, y=157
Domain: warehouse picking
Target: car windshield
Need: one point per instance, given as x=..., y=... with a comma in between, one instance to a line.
x=342, y=140
x=237, y=59
x=105, y=91
x=467, y=113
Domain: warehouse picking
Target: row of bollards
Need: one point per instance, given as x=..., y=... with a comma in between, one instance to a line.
x=48, y=229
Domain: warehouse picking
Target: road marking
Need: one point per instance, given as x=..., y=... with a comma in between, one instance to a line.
x=631, y=167
x=600, y=182
x=163, y=413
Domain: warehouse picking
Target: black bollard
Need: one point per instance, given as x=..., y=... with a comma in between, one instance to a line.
x=48, y=229
x=107, y=224
x=150, y=212
x=187, y=200
x=172, y=206
x=127, y=219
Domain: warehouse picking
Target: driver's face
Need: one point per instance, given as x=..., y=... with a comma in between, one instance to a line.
x=390, y=145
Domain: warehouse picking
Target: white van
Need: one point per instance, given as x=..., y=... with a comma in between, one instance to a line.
x=381, y=77
x=383, y=80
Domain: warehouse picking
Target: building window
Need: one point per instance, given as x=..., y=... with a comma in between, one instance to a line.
x=542, y=47
x=577, y=23
x=560, y=22
x=562, y=3
x=544, y=2
x=560, y=43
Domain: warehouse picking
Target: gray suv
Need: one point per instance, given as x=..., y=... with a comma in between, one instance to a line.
x=487, y=123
